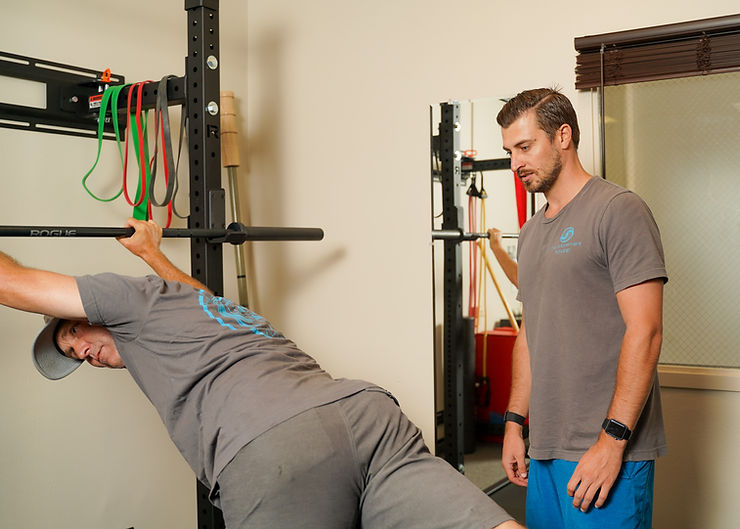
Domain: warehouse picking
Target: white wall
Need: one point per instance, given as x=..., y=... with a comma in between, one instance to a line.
x=88, y=451
x=335, y=102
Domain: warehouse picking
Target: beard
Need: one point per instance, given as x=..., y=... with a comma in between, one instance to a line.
x=550, y=177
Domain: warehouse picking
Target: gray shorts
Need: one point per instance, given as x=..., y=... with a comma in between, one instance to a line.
x=355, y=463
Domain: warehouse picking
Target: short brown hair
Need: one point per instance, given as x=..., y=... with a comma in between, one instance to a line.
x=551, y=107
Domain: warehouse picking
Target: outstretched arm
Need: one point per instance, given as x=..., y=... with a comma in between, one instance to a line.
x=508, y=265
x=39, y=291
x=144, y=243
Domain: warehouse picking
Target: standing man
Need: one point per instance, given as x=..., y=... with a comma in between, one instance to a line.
x=591, y=275
x=279, y=442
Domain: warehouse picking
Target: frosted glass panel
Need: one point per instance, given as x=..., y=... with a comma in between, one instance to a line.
x=677, y=144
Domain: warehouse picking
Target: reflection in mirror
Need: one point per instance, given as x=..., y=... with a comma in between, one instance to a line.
x=473, y=190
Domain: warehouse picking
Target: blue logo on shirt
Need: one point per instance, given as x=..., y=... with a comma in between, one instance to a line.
x=567, y=234
x=566, y=242
x=230, y=315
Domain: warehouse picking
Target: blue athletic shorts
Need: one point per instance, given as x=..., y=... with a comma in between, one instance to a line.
x=628, y=506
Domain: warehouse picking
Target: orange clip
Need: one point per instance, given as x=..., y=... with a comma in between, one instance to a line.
x=106, y=76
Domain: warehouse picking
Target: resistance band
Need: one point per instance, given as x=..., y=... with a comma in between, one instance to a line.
x=139, y=145
x=162, y=125
x=521, y=200
x=111, y=92
x=137, y=124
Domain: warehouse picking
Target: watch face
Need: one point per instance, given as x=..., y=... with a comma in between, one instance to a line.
x=616, y=429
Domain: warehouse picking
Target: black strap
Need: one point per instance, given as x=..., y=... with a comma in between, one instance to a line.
x=162, y=110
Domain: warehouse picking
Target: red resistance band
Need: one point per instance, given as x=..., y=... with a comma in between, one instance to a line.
x=473, y=301
x=521, y=200
x=141, y=139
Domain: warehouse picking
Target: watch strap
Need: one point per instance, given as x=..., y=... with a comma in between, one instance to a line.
x=514, y=417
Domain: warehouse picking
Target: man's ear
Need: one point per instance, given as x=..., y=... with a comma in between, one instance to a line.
x=564, y=136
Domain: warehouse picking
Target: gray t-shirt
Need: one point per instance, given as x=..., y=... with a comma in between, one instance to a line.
x=218, y=374
x=570, y=268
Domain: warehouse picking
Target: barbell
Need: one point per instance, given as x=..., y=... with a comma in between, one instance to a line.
x=235, y=233
x=459, y=235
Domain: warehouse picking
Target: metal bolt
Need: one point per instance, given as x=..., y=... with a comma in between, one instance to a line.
x=212, y=108
x=74, y=99
x=212, y=62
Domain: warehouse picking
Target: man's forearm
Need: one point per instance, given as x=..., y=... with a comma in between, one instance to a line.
x=521, y=375
x=165, y=269
x=145, y=244
x=636, y=370
x=507, y=264
x=641, y=308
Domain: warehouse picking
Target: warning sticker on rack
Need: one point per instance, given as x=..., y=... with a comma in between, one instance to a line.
x=94, y=101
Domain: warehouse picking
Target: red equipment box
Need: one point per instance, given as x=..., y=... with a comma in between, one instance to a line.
x=492, y=382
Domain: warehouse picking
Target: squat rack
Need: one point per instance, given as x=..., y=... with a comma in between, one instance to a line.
x=71, y=93
x=458, y=340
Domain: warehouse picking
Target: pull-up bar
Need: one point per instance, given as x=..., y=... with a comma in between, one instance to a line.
x=459, y=235
x=235, y=233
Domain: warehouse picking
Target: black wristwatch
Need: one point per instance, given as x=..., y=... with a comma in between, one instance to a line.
x=616, y=429
x=514, y=417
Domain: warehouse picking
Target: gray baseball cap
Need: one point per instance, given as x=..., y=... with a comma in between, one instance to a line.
x=47, y=357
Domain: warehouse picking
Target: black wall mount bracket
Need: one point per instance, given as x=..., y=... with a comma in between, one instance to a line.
x=72, y=96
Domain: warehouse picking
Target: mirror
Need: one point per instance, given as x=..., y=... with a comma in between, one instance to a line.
x=484, y=196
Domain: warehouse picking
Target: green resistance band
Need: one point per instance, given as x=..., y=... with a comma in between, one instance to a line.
x=110, y=97
x=113, y=91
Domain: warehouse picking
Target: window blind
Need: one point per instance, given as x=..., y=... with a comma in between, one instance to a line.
x=669, y=51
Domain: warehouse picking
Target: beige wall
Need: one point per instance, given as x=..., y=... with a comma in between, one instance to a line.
x=695, y=485
x=335, y=102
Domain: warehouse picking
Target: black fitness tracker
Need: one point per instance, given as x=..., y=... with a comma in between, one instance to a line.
x=616, y=429
x=514, y=417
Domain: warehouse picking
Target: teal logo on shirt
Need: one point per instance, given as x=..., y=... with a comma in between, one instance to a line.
x=232, y=316
x=567, y=234
x=566, y=242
